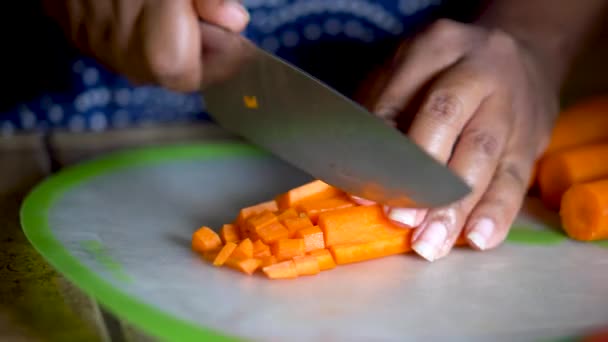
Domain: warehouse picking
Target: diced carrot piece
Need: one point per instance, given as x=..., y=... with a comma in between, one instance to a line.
x=256, y=222
x=315, y=207
x=282, y=270
x=345, y=254
x=560, y=170
x=325, y=259
x=260, y=249
x=210, y=255
x=357, y=225
x=288, y=213
x=462, y=240
x=272, y=233
x=244, y=250
x=313, y=238
x=584, y=211
x=224, y=254
x=269, y=260
x=288, y=248
x=296, y=223
x=246, y=213
x=229, y=233
x=205, y=239
x=247, y=266
x=306, y=265
x=314, y=190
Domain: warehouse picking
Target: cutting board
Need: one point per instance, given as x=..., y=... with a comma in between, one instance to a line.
x=119, y=227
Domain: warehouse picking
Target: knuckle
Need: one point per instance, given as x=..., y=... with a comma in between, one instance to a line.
x=444, y=105
x=483, y=141
x=443, y=27
x=514, y=175
x=502, y=42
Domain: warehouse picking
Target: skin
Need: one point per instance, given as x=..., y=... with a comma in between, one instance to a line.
x=481, y=97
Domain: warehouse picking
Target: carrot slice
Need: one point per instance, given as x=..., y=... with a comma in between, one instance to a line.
x=314, y=190
x=289, y=213
x=205, y=239
x=345, y=254
x=561, y=170
x=324, y=258
x=260, y=249
x=224, y=254
x=272, y=233
x=288, y=248
x=282, y=270
x=306, y=265
x=296, y=223
x=269, y=260
x=244, y=250
x=584, y=211
x=247, y=266
x=313, y=238
x=315, y=207
x=245, y=213
x=229, y=233
x=357, y=225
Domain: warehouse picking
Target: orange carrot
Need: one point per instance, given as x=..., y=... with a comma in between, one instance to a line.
x=205, y=239
x=229, y=233
x=289, y=213
x=247, y=266
x=257, y=221
x=283, y=270
x=561, y=170
x=210, y=255
x=313, y=238
x=224, y=254
x=272, y=233
x=357, y=225
x=245, y=213
x=314, y=190
x=260, y=249
x=288, y=248
x=297, y=223
x=306, y=265
x=584, y=211
x=462, y=240
x=313, y=208
x=345, y=254
x=244, y=250
x=325, y=259
x=269, y=260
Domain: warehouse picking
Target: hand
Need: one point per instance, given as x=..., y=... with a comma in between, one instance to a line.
x=148, y=41
x=483, y=104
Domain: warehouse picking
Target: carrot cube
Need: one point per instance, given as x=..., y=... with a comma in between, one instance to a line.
x=297, y=223
x=324, y=258
x=268, y=260
x=314, y=208
x=272, y=233
x=288, y=213
x=205, y=239
x=313, y=238
x=224, y=254
x=229, y=233
x=306, y=265
x=288, y=248
x=247, y=266
x=345, y=254
x=283, y=270
x=246, y=213
x=260, y=249
x=316, y=190
x=244, y=250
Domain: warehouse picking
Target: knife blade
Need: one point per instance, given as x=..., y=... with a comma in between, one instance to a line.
x=309, y=125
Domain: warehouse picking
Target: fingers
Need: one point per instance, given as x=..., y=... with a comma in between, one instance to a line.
x=229, y=14
x=490, y=220
x=475, y=159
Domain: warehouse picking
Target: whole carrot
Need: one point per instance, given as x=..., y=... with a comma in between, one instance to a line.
x=584, y=211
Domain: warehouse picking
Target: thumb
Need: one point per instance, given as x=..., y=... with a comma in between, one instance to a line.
x=229, y=14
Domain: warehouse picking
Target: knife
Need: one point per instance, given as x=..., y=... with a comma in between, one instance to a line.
x=307, y=124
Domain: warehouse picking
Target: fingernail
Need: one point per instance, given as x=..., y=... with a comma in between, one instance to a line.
x=404, y=216
x=362, y=201
x=481, y=232
x=431, y=241
x=235, y=15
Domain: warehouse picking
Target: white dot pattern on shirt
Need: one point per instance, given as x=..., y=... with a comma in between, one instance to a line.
x=77, y=123
x=90, y=77
x=270, y=44
x=28, y=119
x=55, y=113
x=333, y=26
x=98, y=122
x=120, y=118
x=290, y=38
x=312, y=31
x=122, y=97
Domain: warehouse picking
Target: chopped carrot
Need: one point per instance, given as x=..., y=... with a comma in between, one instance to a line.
x=584, y=211
x=282, y=270
x=345, y=254
x=244, y=250
x=205, y=239
x=462, y=240
x=260, y=249
x=297, y=223
x=257, y=221
x=224, y=254
x=210, y=255
x=247, y=266
x=229, y=233
x=357, y=225
x=269, y=260
x=314, y=190
x=306, y=265
x=313, y=238
x=288, y=213
x=272, y=233
x=325, y=259
x=245, y=213
x=288, y=248
x=313, y=208
x=561, y=170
